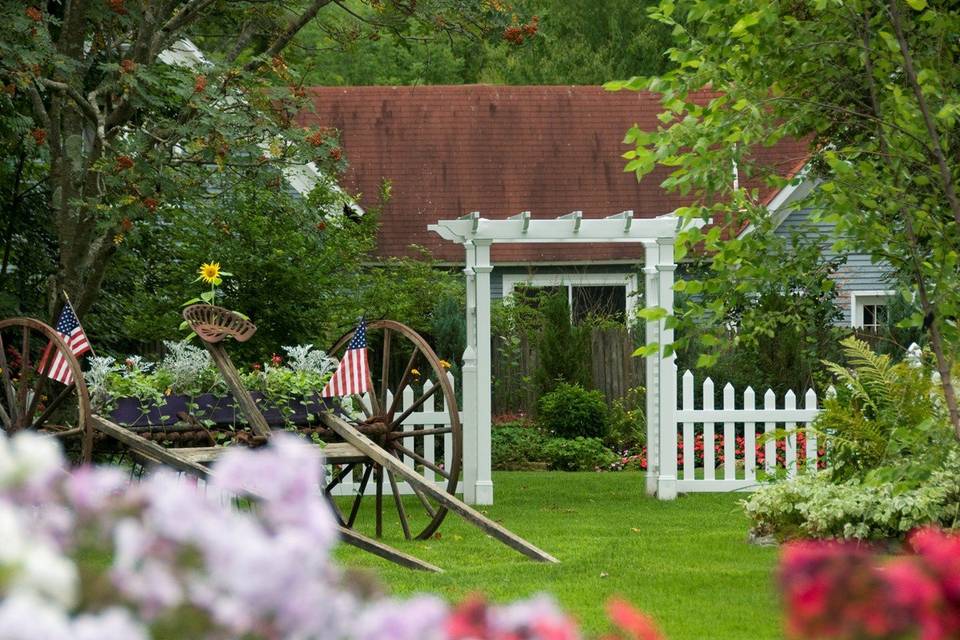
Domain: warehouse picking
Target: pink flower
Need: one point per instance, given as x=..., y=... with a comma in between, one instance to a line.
x=632, y=622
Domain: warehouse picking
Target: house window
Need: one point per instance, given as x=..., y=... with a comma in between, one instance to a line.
x=599, y=294
x=869, y=309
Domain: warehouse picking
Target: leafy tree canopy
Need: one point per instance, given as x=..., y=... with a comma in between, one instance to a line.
x=874, y=86
x=129, y=154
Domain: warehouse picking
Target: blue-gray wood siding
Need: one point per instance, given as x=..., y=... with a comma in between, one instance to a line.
x=859, y=273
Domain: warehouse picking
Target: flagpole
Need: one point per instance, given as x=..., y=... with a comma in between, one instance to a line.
x=67, y=299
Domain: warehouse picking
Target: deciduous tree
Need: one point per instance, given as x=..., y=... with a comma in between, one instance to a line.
x=874, y=86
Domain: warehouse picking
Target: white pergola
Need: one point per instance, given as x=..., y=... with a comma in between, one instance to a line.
x=477, y=234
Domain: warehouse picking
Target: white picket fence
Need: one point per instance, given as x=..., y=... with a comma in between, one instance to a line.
x=438, y=449
x=739, y=467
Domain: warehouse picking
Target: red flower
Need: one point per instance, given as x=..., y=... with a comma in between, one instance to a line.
x=127, y=66
x=123, y=163
x=39, y=135
x=335, y=154
x=117, y=6
x=126, y=224
x=321, y=225
x=151, y=204
x=469, y=620
x=255, y=366
x=276, y=360
x=635, y=624
x=34, y=14
x=199, y=84
x=530, y=29
x=513, y=35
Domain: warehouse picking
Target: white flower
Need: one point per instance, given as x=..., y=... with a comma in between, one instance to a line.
x=27, y=617
x=112, y=624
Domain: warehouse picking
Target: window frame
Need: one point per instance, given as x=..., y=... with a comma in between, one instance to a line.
x=858, y=299
x=569, y=280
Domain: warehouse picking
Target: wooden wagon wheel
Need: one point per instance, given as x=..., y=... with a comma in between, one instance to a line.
x=392, y=345
x=30, y=399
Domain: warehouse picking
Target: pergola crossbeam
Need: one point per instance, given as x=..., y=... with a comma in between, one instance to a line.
x=626, y=216
x=576, y=216
x=524, y=218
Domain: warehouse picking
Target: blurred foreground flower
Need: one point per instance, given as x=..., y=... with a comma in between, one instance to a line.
x=89, y=556
x=846, y=590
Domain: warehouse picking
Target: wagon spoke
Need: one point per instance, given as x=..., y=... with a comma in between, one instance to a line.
x=336, y=510
x=385, y=369
x=339, y=477
x=378, y=473
x=43, y=365
x=419, y=458
x=355, y=508
x=413, y=407
x=422, y=432
x=399, y=502
x=23, y=385
x=423, y=500
x=53, y=405
x=8, y=388
x=404, y=380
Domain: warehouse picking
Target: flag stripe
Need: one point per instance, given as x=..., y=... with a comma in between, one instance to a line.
x=352, y=374
x=69, y=329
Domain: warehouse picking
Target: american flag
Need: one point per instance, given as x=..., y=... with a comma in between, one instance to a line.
x=352, y=376
x=72, y=333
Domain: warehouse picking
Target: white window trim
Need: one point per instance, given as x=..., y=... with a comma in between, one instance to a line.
x=859, y=298
x=628, y=280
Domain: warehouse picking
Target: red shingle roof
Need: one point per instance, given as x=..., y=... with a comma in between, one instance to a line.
x=499, y=150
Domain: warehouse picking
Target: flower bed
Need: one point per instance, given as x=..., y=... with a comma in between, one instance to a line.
x=138, y=393
x=637, y=460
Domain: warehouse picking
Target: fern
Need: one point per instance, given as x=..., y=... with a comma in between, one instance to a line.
x=878, y=409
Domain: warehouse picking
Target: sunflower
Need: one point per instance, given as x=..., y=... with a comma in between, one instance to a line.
x=210, y=272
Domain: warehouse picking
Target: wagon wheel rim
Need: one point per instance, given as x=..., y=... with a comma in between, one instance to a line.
x=30, y=398
x=398, y=344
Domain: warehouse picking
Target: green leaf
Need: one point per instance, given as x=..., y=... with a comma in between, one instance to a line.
x=652, y=313
x=918, y=5
x=706, y=360
x=647, y=350
x=744, y=23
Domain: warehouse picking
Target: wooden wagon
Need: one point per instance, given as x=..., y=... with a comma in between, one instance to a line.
x=366, y=441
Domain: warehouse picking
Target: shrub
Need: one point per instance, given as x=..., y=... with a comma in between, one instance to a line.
x=570, y=411
x=626, y=426
x=563, y=348
x=814, y=506
x=578, y=454
x=517, y=445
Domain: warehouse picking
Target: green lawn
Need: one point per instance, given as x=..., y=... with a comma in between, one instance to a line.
x=686, y=562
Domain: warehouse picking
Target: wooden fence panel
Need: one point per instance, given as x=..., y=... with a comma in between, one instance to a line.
x=613, y=369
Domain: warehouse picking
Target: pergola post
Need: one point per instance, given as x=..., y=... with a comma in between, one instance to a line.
x=483, y=489
x=469, y=382
x=667, y=379
x=651, y=297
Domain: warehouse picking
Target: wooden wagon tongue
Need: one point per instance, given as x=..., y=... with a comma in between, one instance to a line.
x=213, y=324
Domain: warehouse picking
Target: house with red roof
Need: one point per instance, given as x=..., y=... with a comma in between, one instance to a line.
x=448, y=151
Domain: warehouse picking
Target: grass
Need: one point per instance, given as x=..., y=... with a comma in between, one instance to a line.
x=687, y=562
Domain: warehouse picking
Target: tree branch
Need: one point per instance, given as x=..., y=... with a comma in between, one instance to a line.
x=88, y=109
x=182, y=18
x=945, y=173
x=929, y=307
x=292, y=29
